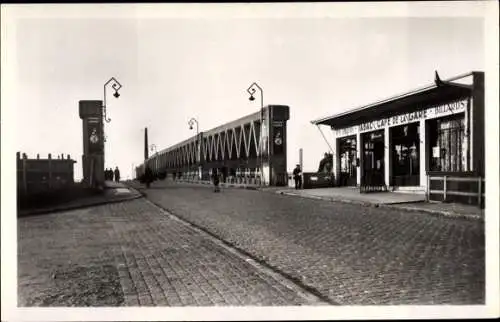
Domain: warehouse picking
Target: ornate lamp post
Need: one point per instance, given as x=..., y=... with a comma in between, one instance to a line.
x=192, y=122
x=152, y=147
x=116, y=86
x=251, y=90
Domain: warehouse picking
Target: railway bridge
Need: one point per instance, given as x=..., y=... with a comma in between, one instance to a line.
x=250, y=150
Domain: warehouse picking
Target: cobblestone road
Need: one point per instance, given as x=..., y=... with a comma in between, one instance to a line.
x=350, y=254
x=133, y=254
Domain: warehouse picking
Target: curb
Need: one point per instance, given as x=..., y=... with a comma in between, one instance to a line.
x=440, y=213
x=76, y=207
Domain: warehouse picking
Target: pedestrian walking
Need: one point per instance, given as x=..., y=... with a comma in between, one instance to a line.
x=117, y=175
x=297, y=176
x=215, y=176
x=148, y=176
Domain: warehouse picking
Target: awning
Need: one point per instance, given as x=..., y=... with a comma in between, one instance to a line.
x=408, y=102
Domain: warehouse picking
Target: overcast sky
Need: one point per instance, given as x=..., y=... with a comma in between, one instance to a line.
x=173, y=68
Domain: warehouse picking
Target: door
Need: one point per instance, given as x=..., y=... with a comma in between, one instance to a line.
x=348, y=170
x=406, y=155
x=373, y=159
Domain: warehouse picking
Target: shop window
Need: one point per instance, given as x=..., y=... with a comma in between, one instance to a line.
x=447, y=137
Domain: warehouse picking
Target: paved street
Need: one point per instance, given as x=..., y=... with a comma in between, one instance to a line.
x=132, y=253
x=350, y=254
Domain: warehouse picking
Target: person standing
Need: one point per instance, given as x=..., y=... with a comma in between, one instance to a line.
x=215, y=175
x=117, y=175
x=297, y=176
x=148, y=176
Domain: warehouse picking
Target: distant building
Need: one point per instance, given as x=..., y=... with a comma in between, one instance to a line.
x=405, y=141
x=41, y=175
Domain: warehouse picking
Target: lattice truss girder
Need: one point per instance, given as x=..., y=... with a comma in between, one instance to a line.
x=238, y=142
x=242, y=141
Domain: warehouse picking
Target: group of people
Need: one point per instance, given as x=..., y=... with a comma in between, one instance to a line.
x=109, y=174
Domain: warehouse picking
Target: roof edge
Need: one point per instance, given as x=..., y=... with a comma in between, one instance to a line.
x=392, y=98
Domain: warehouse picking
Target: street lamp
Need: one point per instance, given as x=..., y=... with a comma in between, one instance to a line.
x=191, y=122
x=116, y=86
x=152, y=147
x=251, y=90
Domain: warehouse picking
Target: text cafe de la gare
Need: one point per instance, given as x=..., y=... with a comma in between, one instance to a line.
x=399, y=141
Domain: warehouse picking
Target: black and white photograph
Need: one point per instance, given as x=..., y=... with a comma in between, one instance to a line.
x=253, y=161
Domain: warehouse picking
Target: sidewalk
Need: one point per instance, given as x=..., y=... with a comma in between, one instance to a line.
x=113, y=192
x=403, y=201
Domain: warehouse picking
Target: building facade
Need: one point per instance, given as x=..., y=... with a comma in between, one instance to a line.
x=42, y=175
x=399, y=142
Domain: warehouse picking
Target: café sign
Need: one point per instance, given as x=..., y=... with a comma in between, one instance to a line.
x=429, y=113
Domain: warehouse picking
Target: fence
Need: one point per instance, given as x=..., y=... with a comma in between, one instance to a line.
x=464, y=189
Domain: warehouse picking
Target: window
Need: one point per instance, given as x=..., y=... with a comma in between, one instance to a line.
x=447, y=144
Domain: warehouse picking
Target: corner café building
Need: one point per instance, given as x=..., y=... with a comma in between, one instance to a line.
x=399, y=141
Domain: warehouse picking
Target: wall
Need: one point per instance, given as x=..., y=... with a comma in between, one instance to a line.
x=42, y=175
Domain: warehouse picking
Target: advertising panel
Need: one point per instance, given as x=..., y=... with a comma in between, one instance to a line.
x=95, y=137
x=432, y=112
x=278, y=137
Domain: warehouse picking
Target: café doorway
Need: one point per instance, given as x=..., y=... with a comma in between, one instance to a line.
x=373, y=159
x=405, y=154
x=348, y=164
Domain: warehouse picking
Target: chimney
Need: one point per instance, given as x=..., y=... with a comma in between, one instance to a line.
x=146, y=155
